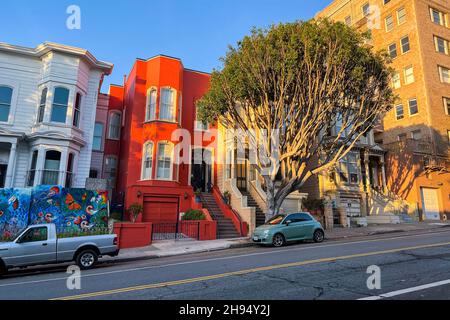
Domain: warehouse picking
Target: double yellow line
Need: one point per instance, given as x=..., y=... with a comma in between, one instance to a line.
x=242, y=272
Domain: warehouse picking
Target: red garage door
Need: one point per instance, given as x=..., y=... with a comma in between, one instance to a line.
x=160, y=209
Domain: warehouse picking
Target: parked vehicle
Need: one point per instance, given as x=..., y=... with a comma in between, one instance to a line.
x=39, y=245
x=282, y=229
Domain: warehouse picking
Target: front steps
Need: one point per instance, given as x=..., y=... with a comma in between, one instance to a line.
x=251, y=202
x=225, y=227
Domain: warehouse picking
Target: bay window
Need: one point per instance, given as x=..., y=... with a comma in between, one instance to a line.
x=42, y=103
x=5, y=103
x=147, y=161
x=164, y=161
x=60, y=103
x=167, y=105
x=150, y=113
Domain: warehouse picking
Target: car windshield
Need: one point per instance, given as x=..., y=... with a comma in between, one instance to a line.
x=276, y=220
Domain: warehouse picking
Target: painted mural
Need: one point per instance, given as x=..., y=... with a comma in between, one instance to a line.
x=73, y=211
x=14, y=211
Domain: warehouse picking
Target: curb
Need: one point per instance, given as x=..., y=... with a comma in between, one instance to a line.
x=251, y=244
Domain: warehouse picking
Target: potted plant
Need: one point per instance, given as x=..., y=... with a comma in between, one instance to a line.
x=227, y=197
x=198, y=198
x=193, y=215
x=135, y=210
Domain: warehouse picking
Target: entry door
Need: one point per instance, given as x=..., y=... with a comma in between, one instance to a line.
x=241, y=175
x=3, y=169
x=430, y=204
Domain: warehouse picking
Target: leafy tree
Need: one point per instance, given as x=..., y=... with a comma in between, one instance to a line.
x=301, y=80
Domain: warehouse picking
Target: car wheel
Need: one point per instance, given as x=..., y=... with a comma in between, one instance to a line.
x=87, y=259
x=319, y=236
x=278, y=240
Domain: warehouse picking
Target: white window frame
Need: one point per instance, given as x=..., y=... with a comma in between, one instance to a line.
x=446, y=45
x=157, y=177
x=111, y=115
x=401, y=44
x=145, y=177
x=396, y=51
x=409, y=107
x=173, y=107
x=75, y=109
x=10, y=102
x=398, y=16
x=391, y=25
x=67, y=107
x=446, y=101
x=405, y=70
x=363, y=9
x=150, y=110
x=441, y=74
x=105, y=167
x=396, y=80
x=14, y=85
x=442, y=17
x=101, y=138
x=397, y=113
x=42, y=106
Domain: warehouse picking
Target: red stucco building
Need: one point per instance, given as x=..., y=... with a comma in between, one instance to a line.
x=157, y=107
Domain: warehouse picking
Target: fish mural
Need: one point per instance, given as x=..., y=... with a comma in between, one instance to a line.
x=14, y=211
x=73, y=211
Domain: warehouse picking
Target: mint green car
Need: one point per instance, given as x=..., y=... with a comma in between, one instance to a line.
x=282, y=229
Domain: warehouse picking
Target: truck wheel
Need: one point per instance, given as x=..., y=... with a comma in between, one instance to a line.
x=86, y=259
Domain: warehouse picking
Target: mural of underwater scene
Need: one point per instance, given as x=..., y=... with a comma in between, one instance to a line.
x=14, y=208
x=73, y=211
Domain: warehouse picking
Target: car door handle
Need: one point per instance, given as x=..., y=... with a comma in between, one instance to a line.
x=45, y=244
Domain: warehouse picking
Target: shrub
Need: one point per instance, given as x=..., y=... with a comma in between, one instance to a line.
x=193, y=215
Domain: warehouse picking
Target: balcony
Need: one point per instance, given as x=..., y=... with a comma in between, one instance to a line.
x=422, y=146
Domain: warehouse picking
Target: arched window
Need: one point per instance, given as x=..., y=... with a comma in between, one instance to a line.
x=114, y=126
x=42, y=103
x=167, y=105
x=164, y=161
x=150, y=113
x=60, y=103
x=77, y=111
x=5, y=103
x=147, y=161
x=50, y=175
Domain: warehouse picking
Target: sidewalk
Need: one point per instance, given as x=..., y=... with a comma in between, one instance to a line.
x=170, y=248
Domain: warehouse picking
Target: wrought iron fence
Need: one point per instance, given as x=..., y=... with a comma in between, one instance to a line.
x=182, y=230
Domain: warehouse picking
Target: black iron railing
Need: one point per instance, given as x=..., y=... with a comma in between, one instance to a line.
x=176, y=231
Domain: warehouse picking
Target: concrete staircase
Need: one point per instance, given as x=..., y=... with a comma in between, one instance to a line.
x=251, y=202
x=225, y=227
x=388, y=209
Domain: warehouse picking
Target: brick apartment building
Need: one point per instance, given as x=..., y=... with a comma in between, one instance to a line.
x=416, y=133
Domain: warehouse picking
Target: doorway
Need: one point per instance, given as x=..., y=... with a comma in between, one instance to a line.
x=201, y=176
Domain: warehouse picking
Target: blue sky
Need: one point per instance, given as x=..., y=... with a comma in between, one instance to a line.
x=197, y=31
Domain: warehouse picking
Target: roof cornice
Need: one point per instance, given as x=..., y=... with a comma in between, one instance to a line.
x=47, y=47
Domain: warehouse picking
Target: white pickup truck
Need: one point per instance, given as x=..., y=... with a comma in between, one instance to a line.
x=39, y=245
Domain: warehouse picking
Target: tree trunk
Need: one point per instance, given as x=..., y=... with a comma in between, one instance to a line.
x=272, y=209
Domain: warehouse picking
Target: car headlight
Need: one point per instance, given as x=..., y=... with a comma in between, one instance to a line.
x=266, y=233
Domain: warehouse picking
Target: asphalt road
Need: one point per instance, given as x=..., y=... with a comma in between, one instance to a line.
x=412, y=267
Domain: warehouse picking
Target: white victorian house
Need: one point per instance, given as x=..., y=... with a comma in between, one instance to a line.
x=48, y=101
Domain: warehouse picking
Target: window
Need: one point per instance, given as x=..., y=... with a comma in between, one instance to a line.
x=228, y=163
x=365, y=9
x=42, y=103
x=164, y=161
x=386, y=1
x=399, y=113
x=437, y=17
x=413, y=107
x=348, y=20
x=444, y=73
x=167, y=107
x=405, y=44
x=93, y=173
x=447, y=106
x=35, y=235
x=69, y=172
x=401, y=15
x=441, y=45
x=147, y=161
x=396, y=83
x=416, y=135
x=348, y=169
x=151, y=105
x=111, y=169
x=448, y=136
x=389, y=23
x=114, y=126
x=77, y=111
x=5, y=103
x=32, y=173
x=409, y=75
x=60, y=103
x=98, y=137
x=51, y=168
x=392, y=49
